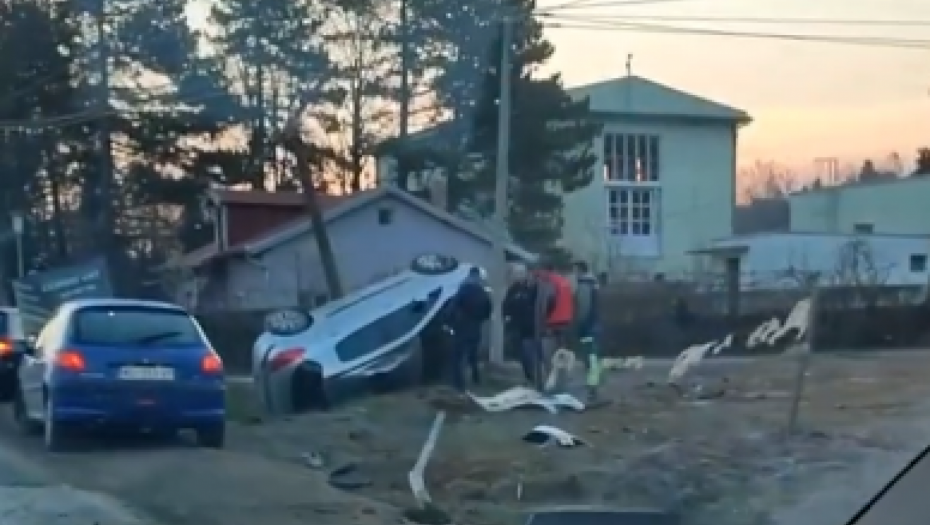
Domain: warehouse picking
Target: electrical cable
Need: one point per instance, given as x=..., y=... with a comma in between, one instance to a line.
x=615, y=17
x=82, y=117
x=585, y=4
x=899, y=43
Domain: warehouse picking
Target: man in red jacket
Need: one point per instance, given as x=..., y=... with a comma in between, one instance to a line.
x=561, y=316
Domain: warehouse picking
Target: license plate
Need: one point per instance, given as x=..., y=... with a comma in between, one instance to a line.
x=146, y=373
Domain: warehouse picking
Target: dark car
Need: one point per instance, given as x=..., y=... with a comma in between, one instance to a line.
x=12, y=345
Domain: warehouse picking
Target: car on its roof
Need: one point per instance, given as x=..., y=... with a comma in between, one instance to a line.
x=388, y=335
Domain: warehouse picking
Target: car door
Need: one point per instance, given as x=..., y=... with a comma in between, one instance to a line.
x=35, y=364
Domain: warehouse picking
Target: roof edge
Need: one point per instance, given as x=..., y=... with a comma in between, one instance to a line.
x=264, y=244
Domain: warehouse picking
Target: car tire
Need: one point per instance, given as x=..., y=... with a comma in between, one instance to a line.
x=211, y=437
x=7, y=391
x=21, y=415
x=53, y=432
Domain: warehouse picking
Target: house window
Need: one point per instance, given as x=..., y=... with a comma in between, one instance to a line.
x=632, y=211
x=385, y=216
x=631, y=158
x=863, y=228
x=918, y=263
x=633, y=193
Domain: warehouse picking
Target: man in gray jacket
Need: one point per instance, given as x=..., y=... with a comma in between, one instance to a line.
x=587, y=325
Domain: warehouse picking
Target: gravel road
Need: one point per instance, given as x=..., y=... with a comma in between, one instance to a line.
x=30, y=495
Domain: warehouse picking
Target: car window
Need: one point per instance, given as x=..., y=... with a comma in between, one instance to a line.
x=386, y=329
x=5, y=323
x=133, y=326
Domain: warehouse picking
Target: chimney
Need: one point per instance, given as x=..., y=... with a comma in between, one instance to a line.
x=438, y=192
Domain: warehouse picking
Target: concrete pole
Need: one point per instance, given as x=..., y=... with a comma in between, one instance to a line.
x=501, y=200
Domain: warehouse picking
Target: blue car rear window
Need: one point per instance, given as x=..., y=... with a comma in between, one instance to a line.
x=133, y=326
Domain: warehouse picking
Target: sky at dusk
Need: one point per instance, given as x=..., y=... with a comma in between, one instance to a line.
x=807, y=99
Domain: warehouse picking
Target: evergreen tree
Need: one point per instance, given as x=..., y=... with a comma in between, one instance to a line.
x=42, y=160
x=274, y=65
x=551, y=138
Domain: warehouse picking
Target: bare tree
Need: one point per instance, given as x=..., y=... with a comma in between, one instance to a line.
x=767, y=180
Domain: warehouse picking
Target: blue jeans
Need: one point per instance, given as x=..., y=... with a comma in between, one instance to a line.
x=465, y=354
x=531, y=358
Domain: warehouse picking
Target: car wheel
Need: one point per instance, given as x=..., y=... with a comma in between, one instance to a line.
x=211, y=437
x=7, y=391
x=54, y=432
x=307, y=389
x=21, y=415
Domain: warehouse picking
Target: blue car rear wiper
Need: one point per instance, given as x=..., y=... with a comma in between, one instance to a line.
x=154, y=338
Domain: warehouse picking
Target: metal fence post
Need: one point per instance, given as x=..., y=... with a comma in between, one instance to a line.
x=804, y=355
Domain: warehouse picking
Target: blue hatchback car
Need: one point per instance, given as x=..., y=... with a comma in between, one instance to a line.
x=137, y=365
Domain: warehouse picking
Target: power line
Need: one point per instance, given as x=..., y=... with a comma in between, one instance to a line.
x=614, y=17
x=594, y=25
x=90, y=115
x=586, y=4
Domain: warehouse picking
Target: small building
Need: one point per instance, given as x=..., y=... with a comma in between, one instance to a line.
x=782, y=260
x=264, y=254
x=892, y=206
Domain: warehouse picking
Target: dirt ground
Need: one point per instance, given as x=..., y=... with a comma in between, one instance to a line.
x=721, y=460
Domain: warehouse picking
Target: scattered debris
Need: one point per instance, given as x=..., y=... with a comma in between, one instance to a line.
x=521, y=396
x=415, y=477
x=349, y=477
x=313, y=460
x=543, y=435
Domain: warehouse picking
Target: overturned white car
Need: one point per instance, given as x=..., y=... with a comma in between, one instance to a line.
x=388, y=335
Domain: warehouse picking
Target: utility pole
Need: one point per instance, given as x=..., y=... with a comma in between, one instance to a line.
x=804, y=354
x=501, y=194
x=403, y=168
x=103, y=193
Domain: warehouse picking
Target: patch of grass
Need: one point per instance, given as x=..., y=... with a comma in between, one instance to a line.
x=242, y=405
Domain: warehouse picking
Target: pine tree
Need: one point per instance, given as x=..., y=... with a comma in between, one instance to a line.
x=551, y=138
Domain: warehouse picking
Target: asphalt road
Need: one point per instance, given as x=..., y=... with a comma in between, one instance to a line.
x=30, y=495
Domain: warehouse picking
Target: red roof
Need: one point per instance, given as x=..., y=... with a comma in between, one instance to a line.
x=264, y=198
x=204, y=254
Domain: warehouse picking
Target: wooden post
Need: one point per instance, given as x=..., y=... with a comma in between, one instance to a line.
x=294, y=142
x=804, y=355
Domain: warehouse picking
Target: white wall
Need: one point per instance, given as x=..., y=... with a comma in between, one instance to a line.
x=883, y=259
x=897, y=206
x=697, y=179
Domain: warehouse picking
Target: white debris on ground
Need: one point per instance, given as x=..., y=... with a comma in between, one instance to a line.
x=62, y=506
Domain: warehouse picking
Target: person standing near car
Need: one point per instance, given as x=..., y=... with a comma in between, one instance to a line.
x=560, y=316
x=472, y=307
x=528, y=303
x=587, y=325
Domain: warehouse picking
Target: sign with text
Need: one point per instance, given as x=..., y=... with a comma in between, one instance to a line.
x=37, y=295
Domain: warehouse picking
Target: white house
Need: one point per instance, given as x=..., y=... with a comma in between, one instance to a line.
x=665, y=182
x=886, y=206
x=668, y=184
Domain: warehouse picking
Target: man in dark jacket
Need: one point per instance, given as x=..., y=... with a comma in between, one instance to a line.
x=472, y=308
x=526, y=306
x=587, y=325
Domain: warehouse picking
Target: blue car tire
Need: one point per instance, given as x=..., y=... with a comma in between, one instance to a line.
x=213, y=436
x=21, y=415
